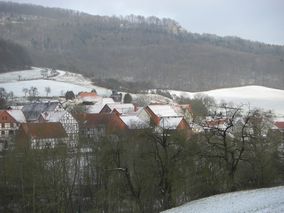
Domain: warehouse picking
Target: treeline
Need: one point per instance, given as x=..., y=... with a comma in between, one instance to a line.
x=35, y=10
x=145, y=171
x=121, y=85
x=139, y=49
x=13, y=56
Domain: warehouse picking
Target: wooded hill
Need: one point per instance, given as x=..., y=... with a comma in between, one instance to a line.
x=13, y=57
x=136, y=48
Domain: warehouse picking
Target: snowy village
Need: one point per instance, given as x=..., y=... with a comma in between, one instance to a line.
x=141, y=106
x=85, y=123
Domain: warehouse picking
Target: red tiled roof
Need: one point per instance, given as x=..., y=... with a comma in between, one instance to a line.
x=279, y=124
x=95, y=120
x=87, y=94
x=5, y=117
x=44, y=130
x=108, y=120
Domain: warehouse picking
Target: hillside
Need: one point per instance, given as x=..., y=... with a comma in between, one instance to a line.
x=254, y=201
x=12, y=56
x=63, y=81
x=136, y=48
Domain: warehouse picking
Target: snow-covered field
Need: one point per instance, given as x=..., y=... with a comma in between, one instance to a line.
x=266, y=200
x=255, y=96
x=34, y=73
x=58, y=84
x=57, y=88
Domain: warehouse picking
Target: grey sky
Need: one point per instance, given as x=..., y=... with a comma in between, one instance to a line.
x=261, y=20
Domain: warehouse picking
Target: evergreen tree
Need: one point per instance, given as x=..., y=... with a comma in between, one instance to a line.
x=127, y=98
x=69, y=95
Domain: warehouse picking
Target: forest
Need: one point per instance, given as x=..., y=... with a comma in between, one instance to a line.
x=13, y=57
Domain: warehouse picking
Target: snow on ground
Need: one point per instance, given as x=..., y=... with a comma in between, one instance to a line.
x=70, y=77
x=256, y=96
x=254, y=201
x=58, y=84
x=34, y=73
x=57, y=88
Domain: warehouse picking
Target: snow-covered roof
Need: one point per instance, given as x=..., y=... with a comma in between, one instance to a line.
x=163, y=110
x=97, y=107
x=133, y=122
x=17, y=107
x=18, y=115
x=170, y=122
x=32, y=111
x=107, y=101
x=122, y=108
x=53, y=116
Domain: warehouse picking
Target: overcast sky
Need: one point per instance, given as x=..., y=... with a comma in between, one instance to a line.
x=261, y=20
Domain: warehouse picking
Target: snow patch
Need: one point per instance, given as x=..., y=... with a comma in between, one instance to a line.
x=254, y=201
x=59, y=84
x=256, y=96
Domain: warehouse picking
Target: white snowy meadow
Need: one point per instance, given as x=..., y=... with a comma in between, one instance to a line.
x=59, y=84
x=255, y=96
x=265, y=200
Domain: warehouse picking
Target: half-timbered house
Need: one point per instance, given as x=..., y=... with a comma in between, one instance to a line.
x=10, y=121
x=67, y=120
x=42, y=135
x=98, y=125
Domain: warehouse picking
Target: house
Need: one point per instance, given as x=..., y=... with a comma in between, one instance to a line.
x=166, y=118
x=156, y=112
x=134, y=122
x=118, y=108
x=184, y=110
x=173, y=123
x=67, y=120
x=280, y=126
x=42, y=135
x=142, y=114
x=117, y=97
x=88, y=98
x=97, y=125
x=33, y=111
x=97, y=107
x=212, y=124
x=10, y=121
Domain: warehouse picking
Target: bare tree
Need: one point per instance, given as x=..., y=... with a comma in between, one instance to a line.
x=226, y=137
x=25, y=90
x=33, y=92
x=47, y=90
